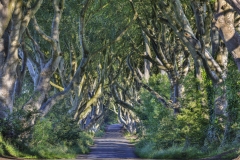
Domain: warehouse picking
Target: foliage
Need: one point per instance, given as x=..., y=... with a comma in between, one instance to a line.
x=158, y=122
x=169, y=136
x=233, y=110
x=56, y=136
x=61, y=133
x=163, y=133
x=111, y=117
x=100, y=130
x=194, y=118
x=10, y=150
x=99, y=133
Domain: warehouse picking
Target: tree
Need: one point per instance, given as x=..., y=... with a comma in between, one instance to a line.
x=14, y=21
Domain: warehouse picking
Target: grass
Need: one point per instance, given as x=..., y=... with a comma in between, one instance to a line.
x=9, y=150
x=133, y=138
x=231, y=155
x=147, y=149
x=99, y=133
x=46, y=150
x=176, y=152
x=227, y=152
x=51, y=152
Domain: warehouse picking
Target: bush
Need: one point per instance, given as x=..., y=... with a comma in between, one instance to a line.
x=193, y=119
x=55, y=136
x=166, y=135
x=159, y=123
x=63, y=138
x=145, y=148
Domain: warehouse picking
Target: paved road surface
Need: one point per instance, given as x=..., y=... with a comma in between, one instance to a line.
x=111, y=146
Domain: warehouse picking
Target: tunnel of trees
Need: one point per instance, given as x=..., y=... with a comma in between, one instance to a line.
x=167, y=70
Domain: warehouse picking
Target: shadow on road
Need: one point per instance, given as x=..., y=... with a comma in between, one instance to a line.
x=112, y=146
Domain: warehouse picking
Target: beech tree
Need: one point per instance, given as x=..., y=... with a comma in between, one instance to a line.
x=15, y=17
x=97, y=56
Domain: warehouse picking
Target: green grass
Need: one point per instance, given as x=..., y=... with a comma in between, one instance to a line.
x=231, y=155
x=9, y=150
x=147, y=149
x=133, y=138
x=227, y=152
x=176, y=152
x=51, y=152
x=99, y=133
x=61, y=150
x=101, y=130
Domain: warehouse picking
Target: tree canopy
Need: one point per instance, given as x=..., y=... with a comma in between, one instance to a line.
x=168, y=70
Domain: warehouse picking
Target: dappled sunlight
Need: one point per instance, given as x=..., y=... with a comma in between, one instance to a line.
x=119, y=79
x=111, y=145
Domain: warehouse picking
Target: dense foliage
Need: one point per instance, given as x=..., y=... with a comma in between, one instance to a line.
x=167, y=136
x=56, y=136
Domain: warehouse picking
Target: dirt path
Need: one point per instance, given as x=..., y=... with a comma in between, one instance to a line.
x=112, y=145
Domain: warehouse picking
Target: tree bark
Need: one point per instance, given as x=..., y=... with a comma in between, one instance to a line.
x=147, y=63
x=9, y=55
x=235, y=4
x=43, y=85
x=225, y=24
x=11, y=15
x=6, y=10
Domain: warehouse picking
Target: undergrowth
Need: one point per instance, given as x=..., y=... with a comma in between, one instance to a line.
x=146, y=149
x=165, y=135
x=52, y=137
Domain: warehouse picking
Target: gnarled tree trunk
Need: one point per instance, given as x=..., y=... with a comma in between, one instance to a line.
x=9, y=54
x=12, y=26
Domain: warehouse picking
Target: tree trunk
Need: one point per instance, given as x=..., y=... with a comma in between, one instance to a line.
x=147, y=64
x=6, y=9
x=175, y=94
x=13, y=24
x=9, y=57
x=43, y=86
x=225, y=24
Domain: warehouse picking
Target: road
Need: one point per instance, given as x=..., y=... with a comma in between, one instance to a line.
x=111, y=146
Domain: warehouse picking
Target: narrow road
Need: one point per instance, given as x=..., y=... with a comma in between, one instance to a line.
x=112, y=145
